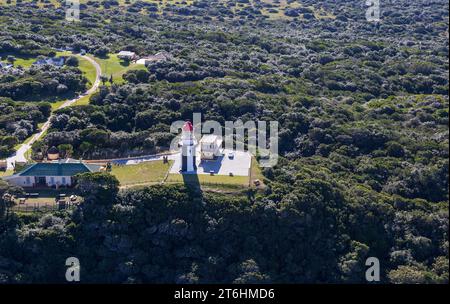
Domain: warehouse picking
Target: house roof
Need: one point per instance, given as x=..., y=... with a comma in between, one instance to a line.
x=53, y=150
x=210, y=139
x=68, y=168
x=126, y=53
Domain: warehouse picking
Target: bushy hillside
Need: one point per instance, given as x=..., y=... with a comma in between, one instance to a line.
x=311, y=231
x=363, y=169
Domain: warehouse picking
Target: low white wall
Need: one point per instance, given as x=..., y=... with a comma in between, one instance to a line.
x=22, y=181
x=29, y=181
x=58, y=180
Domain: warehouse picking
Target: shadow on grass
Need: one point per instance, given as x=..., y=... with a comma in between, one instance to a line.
x=192, y=183
x=50, y=99
x=124, y=63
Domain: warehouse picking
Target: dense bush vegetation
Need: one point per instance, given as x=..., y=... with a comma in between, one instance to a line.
x=41, y=82
x=311, y=231
x=363, y=113
x=18, y=121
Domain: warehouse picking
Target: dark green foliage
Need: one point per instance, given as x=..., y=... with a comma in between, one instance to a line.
x=170, y=234
x=18, y=121
x=363, y=114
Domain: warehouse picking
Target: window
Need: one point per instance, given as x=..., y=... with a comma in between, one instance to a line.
x=52, y=180
x=63, y=180
x=27, y=180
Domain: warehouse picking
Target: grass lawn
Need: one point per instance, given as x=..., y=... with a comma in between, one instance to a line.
x=116, y=67
x=143, y=173
x=6, y=173
x=88, y=71
x=256, y=173
x=46, y=196
x=25, y=62
x=57, y=104
x=87, y=68
x=83, y=100
x=205, y=179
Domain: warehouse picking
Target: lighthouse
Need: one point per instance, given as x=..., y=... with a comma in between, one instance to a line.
x=188, y=148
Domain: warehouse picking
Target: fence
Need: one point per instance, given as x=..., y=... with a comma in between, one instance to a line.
x=41, y=207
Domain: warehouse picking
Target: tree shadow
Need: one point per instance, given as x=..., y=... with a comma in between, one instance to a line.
x=103, y=56
x=51, y=99
x=124, y=63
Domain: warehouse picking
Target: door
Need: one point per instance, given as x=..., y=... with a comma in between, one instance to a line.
x=40, y=181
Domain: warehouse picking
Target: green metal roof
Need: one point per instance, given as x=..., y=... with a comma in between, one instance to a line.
x=58, y=169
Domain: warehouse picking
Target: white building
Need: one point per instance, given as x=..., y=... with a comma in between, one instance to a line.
x=210, y=146
x=52, y=174
x=127, y=55
x=55, y=61
x=188, y=148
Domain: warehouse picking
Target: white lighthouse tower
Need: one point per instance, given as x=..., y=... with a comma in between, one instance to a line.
x=188, y=148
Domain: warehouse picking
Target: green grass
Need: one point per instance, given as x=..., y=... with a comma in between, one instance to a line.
x=57, y=104
x=83, y=100
x=116, y=67
x=256, y=173
x=25, y=62
x=47, y=196
x=6, y=173
x=88, y=69
x=84, y=65
x=143, y=173
x=205, y=179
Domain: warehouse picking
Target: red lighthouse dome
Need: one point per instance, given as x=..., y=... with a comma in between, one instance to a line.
x=188, y=127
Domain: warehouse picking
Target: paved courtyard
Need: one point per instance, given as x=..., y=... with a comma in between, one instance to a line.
x=239, y=165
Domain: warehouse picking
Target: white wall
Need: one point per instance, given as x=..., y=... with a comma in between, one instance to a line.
x=58, y=180
x=29, y=181
x=21, y=181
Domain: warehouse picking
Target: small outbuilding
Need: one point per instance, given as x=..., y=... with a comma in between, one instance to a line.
x=127, y=55
x=210, y=146
x=53, y=153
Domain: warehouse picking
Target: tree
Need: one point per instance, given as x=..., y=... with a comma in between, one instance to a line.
x=85, y=147
x=410, y=275
x=100, y=188
x=11, y=59
x=65, y=150
x=104, y=79
x=72, y=61
x=250, y=274
x=6, y=199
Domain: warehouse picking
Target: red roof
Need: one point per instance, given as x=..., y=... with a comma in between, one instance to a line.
x=188, y=126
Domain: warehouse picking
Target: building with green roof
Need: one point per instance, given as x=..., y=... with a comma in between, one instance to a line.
x=51, y=174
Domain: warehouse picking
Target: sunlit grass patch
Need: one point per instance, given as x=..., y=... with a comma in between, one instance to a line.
x=143, y=173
